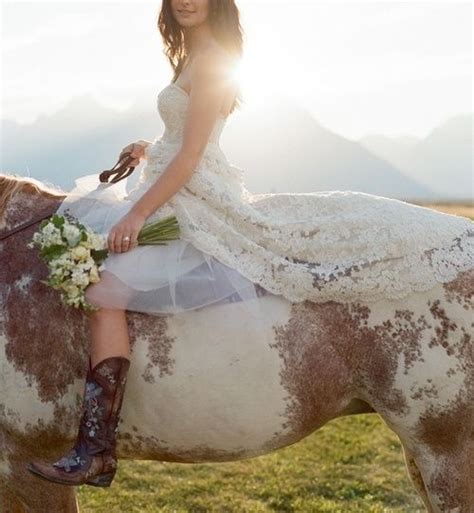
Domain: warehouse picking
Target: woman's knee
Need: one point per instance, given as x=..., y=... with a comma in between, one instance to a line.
x=93, y=297
x=107, y=295
x=92, y=294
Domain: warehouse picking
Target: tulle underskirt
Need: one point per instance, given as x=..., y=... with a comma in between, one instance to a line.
x=170, y=278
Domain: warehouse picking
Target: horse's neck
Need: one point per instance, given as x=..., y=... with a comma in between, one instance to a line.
x=25, y=205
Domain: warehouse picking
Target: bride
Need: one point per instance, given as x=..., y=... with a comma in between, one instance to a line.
x=332, y=245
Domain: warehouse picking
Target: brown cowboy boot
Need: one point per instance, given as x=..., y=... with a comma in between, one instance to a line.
x=92, y=459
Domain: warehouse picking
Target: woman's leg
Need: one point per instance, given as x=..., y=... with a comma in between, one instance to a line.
x=110, y=337
x=92, y=460
x=109, y=329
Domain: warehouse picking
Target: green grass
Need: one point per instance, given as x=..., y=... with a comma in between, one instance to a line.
x=351, y=465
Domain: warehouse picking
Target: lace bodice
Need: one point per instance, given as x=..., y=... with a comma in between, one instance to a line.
x=172, y=104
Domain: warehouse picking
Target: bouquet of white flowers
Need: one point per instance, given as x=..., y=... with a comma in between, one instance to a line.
x=75, y=254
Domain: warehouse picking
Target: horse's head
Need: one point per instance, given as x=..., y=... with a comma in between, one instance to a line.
x=23, y=198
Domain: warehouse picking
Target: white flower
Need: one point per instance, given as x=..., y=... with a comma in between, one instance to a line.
x=72, y=234
x=64, y=261
x=80, y=252
x=38, y=237
x=51, y=235
x=80, y=278
x=71, y=289
x=88, y=264
x=95, y=241
x=94, y=275
x=58, y=271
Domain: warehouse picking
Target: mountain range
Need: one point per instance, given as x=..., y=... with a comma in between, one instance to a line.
x=280, y=146
x=442, y=160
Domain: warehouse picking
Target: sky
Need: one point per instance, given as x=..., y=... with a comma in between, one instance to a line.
x=397, y=68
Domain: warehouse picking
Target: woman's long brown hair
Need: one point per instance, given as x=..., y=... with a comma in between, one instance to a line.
x=224, y=19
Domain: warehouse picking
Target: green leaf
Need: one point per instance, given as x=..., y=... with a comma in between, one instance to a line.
x=58, y=220
x=55, y=282
x=51, y=252
x=99, y=255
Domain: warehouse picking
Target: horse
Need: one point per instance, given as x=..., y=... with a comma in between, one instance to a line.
x=208, y=386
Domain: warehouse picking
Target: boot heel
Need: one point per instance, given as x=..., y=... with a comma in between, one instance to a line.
x=103, y=480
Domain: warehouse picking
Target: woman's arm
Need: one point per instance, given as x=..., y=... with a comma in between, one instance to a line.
x=209, y=81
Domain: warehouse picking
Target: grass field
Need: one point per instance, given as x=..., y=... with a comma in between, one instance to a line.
x=465, y=209
x=353, y=464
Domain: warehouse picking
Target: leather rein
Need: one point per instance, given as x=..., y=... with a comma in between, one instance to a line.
x=121, y=169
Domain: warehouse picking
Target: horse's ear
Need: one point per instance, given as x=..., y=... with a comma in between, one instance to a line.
x=31, y=187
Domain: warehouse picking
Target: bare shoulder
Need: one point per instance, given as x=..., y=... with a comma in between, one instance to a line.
x=213, y=64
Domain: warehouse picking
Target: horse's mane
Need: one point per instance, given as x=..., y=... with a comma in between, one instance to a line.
x=10, y=184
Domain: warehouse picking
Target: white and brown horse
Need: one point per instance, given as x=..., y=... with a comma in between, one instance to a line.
x=208, y=386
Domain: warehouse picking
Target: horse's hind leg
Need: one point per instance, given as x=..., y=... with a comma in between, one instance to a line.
x=448, y=478
x=416, y=478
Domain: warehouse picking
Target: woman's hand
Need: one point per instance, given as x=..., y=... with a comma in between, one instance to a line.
x=137, y=150
x=129, y=226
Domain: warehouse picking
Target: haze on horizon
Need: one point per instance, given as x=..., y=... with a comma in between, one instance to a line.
x=395, y=68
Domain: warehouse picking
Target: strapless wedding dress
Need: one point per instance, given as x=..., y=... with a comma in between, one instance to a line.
x=319, y=246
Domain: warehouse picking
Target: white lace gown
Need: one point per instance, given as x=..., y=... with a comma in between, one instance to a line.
x=319, y=246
